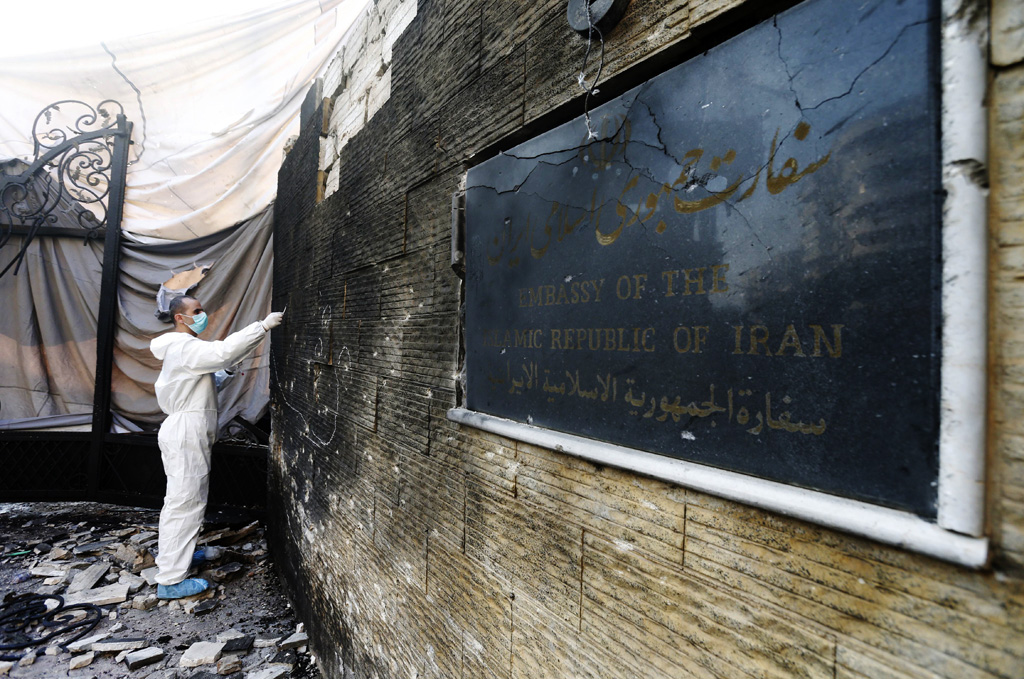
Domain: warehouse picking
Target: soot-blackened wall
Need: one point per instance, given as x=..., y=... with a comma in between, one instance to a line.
x=415, y=547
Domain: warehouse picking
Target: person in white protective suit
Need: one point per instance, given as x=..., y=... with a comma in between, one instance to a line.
x=185, y=391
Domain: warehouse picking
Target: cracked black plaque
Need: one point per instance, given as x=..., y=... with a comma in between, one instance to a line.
x=740, y=268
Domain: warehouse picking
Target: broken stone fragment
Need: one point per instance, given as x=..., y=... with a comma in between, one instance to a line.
x=46, y=571
x=72, y=616
x=88, y=578
x=222, y=573
x=189, y=604
x=5, y=667
x=294, y=641
x=169, y=673
x=240, y=644
x=80, y=661
x=118, y=645
x=134, y=558
x=266, y=642
x=204, y=607
x=150, y=575
x=229, y=665
x=139, y=538
x=87, y=642
x=134, y=582
x=202, y=653
x=92, y=547
x=143, y=657
x=27, y=660
x=229, y=634
x=269, y=673
x=285, y=659
x=52, y=650
x=145, y=602
x=100, y=596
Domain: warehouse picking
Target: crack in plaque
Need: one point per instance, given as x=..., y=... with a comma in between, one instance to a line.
x=790, y=75
x=577, y=147
x=643, y=170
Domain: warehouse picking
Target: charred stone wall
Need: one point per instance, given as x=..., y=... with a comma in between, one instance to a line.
x=417, y=547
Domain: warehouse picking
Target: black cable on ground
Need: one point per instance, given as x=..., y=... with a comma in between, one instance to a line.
x=21, y=614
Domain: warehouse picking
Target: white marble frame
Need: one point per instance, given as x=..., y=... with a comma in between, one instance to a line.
x=964, y=277
x=958, y=533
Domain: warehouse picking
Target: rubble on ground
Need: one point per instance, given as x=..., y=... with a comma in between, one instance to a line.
x=99, y=561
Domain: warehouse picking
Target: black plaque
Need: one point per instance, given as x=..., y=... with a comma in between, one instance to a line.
x=740, y=268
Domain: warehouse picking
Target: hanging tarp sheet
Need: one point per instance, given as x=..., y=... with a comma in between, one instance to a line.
x=235, y=292
x=48, y=333
x=48, y=348
x=212, y=106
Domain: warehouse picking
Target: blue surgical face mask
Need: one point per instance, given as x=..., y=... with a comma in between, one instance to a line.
x=198, y=323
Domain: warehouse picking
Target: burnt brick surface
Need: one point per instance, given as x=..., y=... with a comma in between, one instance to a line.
x=414, y=546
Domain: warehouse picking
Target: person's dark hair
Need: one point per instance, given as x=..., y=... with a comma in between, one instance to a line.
x=177, y=305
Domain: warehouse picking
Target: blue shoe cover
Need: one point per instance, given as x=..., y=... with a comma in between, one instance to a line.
x=204, y=554
x=187, y=587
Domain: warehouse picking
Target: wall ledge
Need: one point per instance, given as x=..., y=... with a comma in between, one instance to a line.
x=889, y=526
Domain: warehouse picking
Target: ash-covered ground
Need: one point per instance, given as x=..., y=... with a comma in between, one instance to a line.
x=98, y=559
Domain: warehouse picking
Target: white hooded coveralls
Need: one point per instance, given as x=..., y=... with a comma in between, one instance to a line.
x=185, y=391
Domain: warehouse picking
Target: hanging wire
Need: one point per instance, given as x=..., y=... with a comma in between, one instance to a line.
x=591, y=89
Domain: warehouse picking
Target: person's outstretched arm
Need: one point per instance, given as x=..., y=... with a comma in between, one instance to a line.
x=208, y=357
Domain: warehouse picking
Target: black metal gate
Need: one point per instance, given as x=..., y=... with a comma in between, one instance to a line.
x=74, y=188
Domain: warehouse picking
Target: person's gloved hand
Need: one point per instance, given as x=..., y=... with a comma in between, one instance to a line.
x=273, y=320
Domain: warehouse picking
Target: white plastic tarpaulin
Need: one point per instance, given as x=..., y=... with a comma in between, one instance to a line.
x=213, y=107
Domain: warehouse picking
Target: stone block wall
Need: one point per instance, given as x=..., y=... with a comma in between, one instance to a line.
x=415, y=547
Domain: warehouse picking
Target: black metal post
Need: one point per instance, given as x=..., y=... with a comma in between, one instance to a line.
x=106, y=325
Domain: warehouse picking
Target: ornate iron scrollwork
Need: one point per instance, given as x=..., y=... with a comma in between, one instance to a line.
x=67, y=184
x=35, y=619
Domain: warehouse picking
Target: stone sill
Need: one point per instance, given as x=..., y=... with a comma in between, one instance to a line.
x=889, y=526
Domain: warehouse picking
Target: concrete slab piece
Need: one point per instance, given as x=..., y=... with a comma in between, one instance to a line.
x=87, y=642
x=229, y=665
x=202, y=653
x=143, y=657
x=100, y=596
x=48, y=572
x=229, y=634
x=118, y=645
x=80, y=661
x=294, y=641
x=88, y=578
